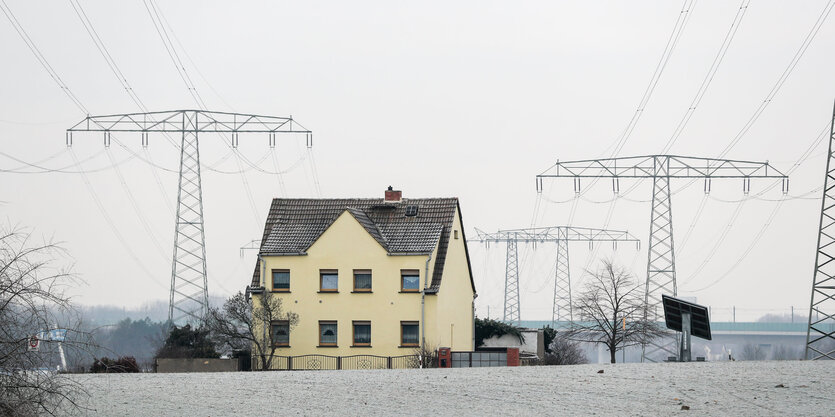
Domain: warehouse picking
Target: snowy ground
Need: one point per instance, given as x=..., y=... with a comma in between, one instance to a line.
x=717, y=388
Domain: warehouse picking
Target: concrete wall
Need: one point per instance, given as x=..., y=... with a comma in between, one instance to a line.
x=167, y=365
x=534, y=342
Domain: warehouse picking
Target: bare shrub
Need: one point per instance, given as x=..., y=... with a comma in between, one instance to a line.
x=752, y=352
x=564, y=351
x=786, y=353
x=32, y=300
x=425, y=357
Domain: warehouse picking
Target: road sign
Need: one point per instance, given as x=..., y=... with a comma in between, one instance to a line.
x=58, y=335
x=34, y=343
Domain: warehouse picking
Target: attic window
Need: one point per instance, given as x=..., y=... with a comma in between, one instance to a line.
x=411, y=211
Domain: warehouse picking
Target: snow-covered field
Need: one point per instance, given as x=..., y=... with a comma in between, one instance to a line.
x=717, y=388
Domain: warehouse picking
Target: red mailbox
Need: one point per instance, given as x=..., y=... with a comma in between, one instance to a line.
x=444, y=357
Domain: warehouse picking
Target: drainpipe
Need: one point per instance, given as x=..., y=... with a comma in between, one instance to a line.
x=423, y=305
x=265, y=324
x=263, y=271
x=475, y=295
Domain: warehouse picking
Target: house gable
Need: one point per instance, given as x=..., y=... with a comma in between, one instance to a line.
x=347, y=234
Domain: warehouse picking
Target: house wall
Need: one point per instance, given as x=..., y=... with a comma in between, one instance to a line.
x=451, y=319
x=346, y=246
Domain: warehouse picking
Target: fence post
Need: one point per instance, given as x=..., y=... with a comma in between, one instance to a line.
x=289, y=363
x=388, y=362
x=339, y=362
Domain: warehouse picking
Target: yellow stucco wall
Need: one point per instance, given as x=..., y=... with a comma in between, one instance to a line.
x=450, y=312
x=346, y=246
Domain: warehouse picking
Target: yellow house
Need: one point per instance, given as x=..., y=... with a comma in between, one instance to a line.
x=368, y=276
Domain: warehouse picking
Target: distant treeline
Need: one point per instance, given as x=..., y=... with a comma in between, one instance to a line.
x=122, y=332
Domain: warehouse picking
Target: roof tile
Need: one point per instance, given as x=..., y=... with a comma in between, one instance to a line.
x=293, y=225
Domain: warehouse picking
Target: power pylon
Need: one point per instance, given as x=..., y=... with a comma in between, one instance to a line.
x=820, y=335
x=661, y=268
x=561, y=235
x=189, y=294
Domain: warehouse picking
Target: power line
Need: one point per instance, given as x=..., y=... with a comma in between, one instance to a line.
x=761, y=232
x=672, y=41
x=61, y=170
x=111, y=63
x=153, y=12
x=137, y=211
x=39, y=56
x=681, y=22
x=112, y=225
x=714, y=67
x=782, y=79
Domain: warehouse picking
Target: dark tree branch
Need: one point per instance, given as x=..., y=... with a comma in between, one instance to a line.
x=608, y=308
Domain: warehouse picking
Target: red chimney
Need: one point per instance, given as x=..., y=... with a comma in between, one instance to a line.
x=393, y=196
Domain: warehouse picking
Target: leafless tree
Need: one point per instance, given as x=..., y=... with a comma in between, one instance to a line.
x=612, y=311
x=244, y=324
x=32, y=300
x=564, y=351
x=752, y=352
x=785, y=353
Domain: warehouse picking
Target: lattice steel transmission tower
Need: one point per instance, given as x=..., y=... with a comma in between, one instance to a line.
x=661, y=268
x=189, y=294
x=561, y=235
x=820, y=335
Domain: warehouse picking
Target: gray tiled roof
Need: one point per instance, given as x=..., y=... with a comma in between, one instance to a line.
x=293, y=225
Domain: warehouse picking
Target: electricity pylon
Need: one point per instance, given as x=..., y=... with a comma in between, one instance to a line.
x=189, y=295
x=820, y=335
x=561, y=235
x=661, y=267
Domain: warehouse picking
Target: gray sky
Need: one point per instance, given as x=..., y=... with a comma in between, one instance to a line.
x=471, y=99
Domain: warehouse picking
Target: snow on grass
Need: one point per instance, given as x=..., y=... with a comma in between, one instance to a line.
x=716, y=388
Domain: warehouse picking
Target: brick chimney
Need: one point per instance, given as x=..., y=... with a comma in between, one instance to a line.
x=393, y=196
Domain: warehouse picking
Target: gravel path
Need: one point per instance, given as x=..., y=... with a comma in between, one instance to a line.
x=717, y=388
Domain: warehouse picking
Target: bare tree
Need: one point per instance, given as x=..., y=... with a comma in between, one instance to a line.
x=785, y=353
x=752, y=352
x=32, y=300
x=564, y=351
x=612, y=311
x=244, y=324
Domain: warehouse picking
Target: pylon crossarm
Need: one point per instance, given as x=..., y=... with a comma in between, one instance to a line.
x=556, y=233
x=171, y=121
x=676, y=167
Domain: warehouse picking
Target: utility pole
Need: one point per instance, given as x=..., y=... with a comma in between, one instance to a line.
x=820, y=335
x=661, y=271
x=561, y=235
x=189, y=294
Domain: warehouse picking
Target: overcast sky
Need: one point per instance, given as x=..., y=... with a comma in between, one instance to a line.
x=465, y=99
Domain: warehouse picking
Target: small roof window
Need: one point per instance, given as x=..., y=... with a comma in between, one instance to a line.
x=411, y=211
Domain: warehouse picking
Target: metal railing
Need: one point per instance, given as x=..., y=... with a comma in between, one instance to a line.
x=327, y=362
